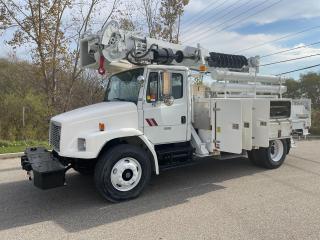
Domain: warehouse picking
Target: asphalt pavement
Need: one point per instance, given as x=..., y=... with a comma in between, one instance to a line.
x=228, y=199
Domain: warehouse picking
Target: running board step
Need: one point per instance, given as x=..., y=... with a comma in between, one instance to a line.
x=174, y=155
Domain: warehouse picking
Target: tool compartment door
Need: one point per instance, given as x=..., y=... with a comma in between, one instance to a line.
x=247, y=124
x=260, y=122
x=229, y=125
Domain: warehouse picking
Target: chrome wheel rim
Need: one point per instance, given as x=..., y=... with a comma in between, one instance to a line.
x=276, y=150
x=126, y=174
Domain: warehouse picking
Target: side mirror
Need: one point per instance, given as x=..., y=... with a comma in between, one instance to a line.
x=140, y=80
x=166, y=87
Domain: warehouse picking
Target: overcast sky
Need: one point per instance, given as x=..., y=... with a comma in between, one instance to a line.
x=233, y=26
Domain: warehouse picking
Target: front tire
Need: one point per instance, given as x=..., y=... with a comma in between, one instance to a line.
x=122, y=172
x=271, y=157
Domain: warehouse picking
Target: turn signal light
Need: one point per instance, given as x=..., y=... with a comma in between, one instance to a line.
x=101, y=126
x=202, y=68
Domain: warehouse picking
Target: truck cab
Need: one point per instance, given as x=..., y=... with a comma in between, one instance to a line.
x=138, y=102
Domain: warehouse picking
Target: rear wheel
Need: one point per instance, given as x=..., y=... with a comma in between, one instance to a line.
x=271, y=157
x=251, y=156
x=122, y=172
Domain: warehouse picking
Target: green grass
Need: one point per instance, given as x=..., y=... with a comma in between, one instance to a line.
x=20, y=146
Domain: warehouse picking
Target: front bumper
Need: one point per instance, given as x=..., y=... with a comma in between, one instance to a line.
x=43, y=168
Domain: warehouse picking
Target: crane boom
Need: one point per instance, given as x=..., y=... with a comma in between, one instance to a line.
x=115, y=49
x=116, y=45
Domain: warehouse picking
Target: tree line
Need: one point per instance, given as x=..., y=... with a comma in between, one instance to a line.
x=308, y=86
x=25, y=113
x=50, y=30
x=49, y=79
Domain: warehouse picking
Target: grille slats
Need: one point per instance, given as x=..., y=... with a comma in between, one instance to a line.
x=55, y=133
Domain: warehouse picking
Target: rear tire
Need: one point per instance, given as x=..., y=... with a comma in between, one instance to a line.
x=251, y=156
x=271, y=157
x=122, y=172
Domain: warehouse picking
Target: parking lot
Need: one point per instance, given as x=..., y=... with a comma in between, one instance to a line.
x=228, y=199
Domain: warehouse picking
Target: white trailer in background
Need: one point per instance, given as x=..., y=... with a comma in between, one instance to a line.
x=155, y=116
x=301, y=116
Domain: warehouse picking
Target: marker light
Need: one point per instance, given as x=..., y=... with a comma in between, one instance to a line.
x=202, y=68
x=101, y=126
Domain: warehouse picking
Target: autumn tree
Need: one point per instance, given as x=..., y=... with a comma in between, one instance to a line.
x=293, y=89
x=51, y=30
x=162, y=18
x=152, y=19
x=38, y=27
x=82, y=21
x=310, y=86
x=170, y=15
x=126, y=15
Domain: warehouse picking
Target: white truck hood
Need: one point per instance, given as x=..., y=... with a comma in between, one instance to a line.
x=96, y=111
x=84, y=122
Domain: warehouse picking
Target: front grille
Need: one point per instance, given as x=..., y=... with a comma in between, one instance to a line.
x=55, y=133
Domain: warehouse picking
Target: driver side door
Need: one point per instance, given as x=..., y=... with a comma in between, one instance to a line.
x=163, y=123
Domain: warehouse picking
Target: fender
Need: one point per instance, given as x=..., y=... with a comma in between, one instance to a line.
x=96, y=141
x=152, y=150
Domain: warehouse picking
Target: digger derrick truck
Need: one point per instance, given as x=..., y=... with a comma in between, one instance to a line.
x=157, y=115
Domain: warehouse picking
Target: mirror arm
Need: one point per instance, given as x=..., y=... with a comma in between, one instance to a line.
x=159, y=86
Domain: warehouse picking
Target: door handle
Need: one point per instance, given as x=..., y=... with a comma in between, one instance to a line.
x=183, y=120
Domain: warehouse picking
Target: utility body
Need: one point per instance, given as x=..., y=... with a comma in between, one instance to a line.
x=167, y=105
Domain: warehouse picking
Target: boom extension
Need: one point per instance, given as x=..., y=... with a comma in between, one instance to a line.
x=115, y=50
x=117, y=45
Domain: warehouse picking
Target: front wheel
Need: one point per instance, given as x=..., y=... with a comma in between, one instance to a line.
x=271, y=157
x=122, y=172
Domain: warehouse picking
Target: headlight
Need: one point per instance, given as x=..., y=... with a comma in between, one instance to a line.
x=81, y=144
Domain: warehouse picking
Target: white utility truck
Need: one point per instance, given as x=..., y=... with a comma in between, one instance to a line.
x=166, y=105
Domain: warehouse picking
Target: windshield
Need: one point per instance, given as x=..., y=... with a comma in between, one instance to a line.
x=124, y=86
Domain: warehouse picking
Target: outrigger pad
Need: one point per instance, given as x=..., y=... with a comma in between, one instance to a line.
x=47, y=171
